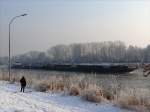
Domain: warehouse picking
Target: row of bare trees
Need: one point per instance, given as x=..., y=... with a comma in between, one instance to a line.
x=106, y=52
x=102, y=52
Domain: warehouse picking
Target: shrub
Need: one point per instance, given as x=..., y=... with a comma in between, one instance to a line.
x=107, y=95
x=92, y=96
x=83, y=85
x=134, y=102
x=74, y=91
x=42, y=87
x=60, y=86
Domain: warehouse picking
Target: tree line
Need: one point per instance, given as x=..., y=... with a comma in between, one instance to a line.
x=98, y=52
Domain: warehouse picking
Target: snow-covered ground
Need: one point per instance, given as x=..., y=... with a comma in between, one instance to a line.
x=11, y=100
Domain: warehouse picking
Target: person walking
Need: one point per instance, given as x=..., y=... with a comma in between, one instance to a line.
x=23, y=84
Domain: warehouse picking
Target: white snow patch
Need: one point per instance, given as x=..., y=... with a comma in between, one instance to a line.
x=11, y=100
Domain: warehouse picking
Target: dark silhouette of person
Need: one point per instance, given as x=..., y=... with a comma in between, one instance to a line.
x=23, y=84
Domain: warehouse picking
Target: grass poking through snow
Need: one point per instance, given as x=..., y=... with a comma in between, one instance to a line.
x=88, y=89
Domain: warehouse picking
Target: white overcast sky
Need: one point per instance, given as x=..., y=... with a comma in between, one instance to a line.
x=73, y=21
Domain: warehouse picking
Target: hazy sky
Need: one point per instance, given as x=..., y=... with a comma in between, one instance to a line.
x=73, y=21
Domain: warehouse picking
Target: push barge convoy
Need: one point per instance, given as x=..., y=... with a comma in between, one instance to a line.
x=89, y=68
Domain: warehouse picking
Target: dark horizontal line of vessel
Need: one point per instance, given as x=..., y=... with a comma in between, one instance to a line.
x=89, y=68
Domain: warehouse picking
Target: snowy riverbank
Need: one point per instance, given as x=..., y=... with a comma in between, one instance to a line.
x=11, y=100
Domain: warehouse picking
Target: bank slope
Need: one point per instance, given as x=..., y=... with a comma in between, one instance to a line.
x=11, y=100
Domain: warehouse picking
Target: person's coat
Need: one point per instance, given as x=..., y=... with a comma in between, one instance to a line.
x=23, y=82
